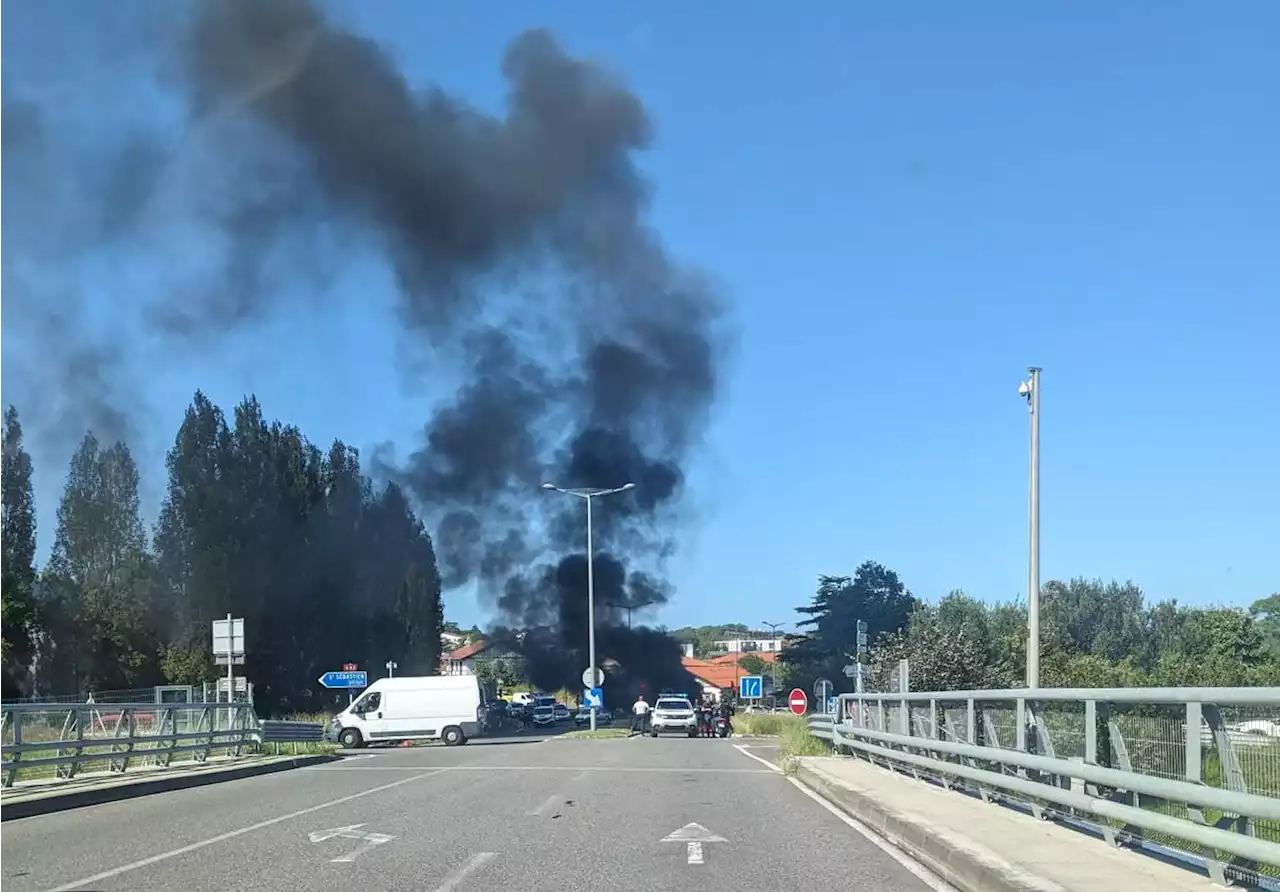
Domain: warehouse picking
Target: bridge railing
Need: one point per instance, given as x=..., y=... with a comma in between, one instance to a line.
x=1191, y=772
x=52, y=740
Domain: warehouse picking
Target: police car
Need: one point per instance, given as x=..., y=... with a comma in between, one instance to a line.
x=673, y=713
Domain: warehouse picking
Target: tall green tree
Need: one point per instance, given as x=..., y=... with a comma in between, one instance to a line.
x=19, y=623
x=101, y=575
x=874, y=594
x=260, y=523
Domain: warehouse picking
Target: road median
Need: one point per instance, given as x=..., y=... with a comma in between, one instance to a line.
x=983, y=847
x=26, y=801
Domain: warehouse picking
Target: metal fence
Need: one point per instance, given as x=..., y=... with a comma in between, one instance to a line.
x=1192, y=772
x=44, y=740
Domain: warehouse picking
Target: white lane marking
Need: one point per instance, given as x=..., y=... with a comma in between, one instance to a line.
x=551, y=800
x=477, y=861
x=695, y=853
x=922, y=873
x=223, y=837
x=581, y=775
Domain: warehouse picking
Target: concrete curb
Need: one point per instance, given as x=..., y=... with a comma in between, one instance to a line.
x=962, y=862
x=55, y=801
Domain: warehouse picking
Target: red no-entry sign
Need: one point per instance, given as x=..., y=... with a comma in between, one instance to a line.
x=798, y=700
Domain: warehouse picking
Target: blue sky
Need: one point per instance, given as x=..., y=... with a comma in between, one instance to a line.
x=909, y=203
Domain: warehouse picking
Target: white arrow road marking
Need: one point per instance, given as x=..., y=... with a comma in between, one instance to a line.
x=351, y=831
x=694, y=836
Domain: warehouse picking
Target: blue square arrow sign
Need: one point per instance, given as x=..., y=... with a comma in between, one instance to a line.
x=751, y=687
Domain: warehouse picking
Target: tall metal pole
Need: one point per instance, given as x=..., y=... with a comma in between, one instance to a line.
x=588, y=495
x=773, y=627
x=231, y=677
x=591, y=609
x=1033, y=558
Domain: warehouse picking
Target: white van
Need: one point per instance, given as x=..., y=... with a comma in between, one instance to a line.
x=428, y=707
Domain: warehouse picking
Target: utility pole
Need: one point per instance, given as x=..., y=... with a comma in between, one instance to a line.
x=1030, y=391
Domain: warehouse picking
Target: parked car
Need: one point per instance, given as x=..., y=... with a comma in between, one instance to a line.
x=562, y=713
x=583, y=717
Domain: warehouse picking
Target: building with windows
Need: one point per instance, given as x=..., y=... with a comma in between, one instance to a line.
x=750, y=645
x=462, y=660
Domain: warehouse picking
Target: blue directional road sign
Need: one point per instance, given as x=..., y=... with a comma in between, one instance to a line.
x=345, y=680
x=593, y=697
x=831, y=705
x=751, y=687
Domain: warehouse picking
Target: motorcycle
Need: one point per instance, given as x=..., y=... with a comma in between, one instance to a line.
x=723, y=728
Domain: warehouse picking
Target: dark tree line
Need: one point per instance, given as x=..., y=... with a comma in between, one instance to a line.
x=1093, y=634
x=257, y=522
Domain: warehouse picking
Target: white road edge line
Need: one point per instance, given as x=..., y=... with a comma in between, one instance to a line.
x=223, y=837
x=918, y=870
x=478, y=860
x=765, y=762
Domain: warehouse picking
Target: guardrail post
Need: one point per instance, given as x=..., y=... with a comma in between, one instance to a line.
x=81, y=715
x=127, y=720
x=1232, y=776
x=15, y=719
x=1193, y=757
x=212, y=715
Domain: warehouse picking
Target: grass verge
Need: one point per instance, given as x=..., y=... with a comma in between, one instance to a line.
x=598, y=734
x=792, y=733
x=796, y=742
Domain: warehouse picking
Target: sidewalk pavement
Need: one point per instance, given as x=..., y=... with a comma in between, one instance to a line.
x=981, y=847
x=26, y=799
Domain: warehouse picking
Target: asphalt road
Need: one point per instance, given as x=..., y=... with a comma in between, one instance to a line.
x=545, y=815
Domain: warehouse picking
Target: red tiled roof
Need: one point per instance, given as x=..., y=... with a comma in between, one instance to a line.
x=717, y=675
x=467, y=651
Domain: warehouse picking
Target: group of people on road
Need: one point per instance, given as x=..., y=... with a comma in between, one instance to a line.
x=705, y=711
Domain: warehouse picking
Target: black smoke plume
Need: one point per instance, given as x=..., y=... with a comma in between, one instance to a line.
x=522, y=257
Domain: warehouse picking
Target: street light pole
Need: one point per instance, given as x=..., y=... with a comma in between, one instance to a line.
x=1030, y=391
x=587, y=495
x=630, y=607
x=773, y=628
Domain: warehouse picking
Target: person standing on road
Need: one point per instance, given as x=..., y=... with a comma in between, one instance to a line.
x=639, y=712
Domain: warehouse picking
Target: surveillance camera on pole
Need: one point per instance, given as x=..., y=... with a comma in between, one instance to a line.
x=1029, y=390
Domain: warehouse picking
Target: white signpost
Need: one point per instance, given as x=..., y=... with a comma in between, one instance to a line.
x=228, y=647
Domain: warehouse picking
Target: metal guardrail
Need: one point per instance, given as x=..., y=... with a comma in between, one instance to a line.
x=1155, y=767
x=57, y=740
x=276, y=732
